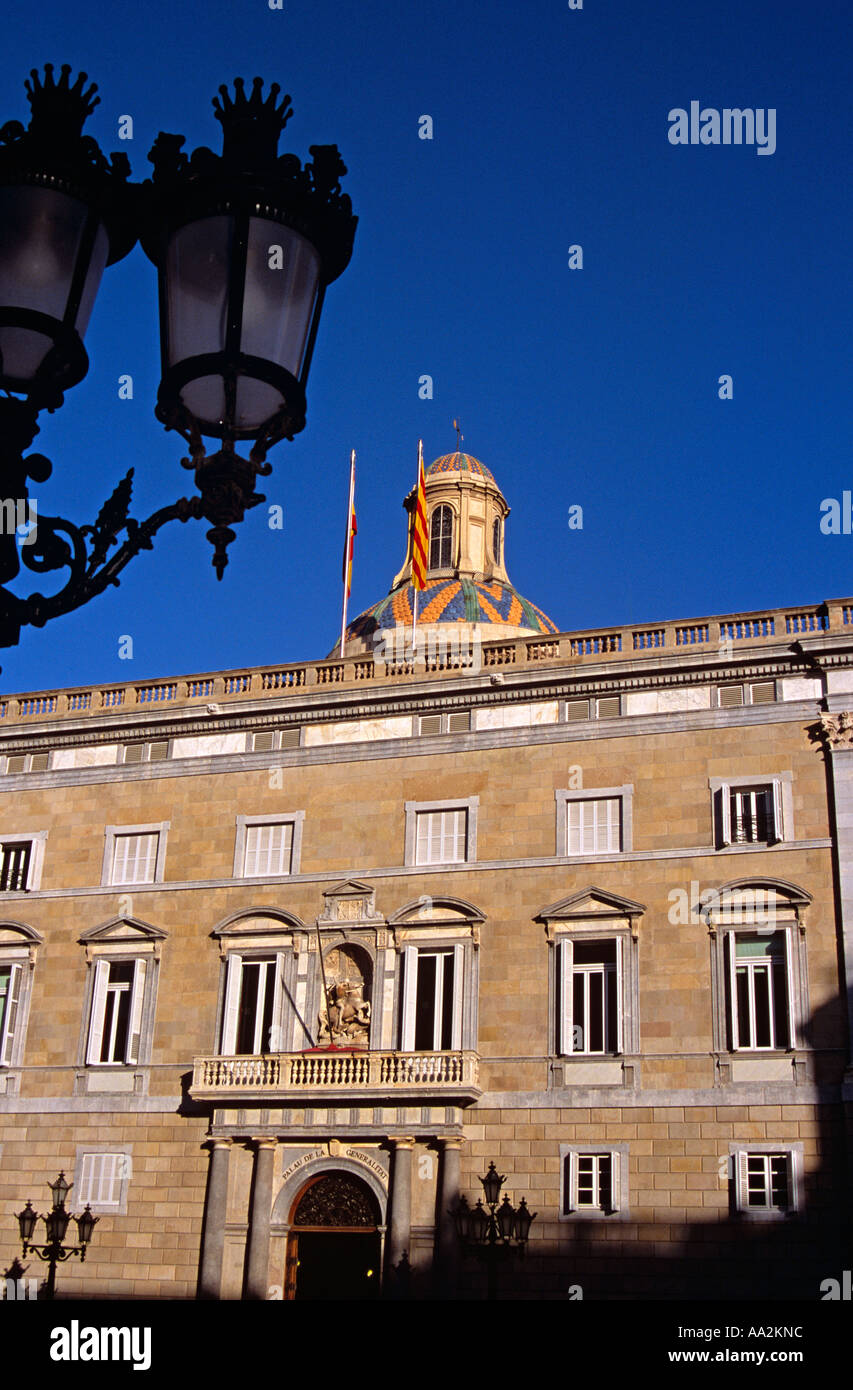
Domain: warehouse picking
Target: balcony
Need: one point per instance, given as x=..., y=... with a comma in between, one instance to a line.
x=366, y=1077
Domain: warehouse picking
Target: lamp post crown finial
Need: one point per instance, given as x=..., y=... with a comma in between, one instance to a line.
x=60, y=106
x=251, y=123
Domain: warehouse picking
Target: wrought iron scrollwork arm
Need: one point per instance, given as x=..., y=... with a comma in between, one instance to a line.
x=87, y=552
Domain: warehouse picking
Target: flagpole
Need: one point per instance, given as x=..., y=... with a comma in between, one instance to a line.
x=347, y=553
x=414, y=520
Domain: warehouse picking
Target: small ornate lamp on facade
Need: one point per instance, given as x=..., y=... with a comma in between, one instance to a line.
x=56, y=1224
x=496, y=1234
x=245, y=243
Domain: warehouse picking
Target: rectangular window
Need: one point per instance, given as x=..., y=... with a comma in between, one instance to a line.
x=100, y=1180
x=751, y=814
x=269, y=849
x=15, y=856
x=766, y=1181
x=10, y=993
x=758, y=980
x=252, y=1006
x=591, y=990
x=441, y=837
x=591, y=1182
x=116, y=1017
x=594, y=826
x=134, y=858
x=432, y=998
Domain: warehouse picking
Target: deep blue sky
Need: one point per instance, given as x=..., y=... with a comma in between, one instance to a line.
x=596, y=387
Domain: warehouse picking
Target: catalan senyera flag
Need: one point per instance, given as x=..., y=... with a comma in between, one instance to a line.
x=352, y=530
x=419, y=530
x=346, y=572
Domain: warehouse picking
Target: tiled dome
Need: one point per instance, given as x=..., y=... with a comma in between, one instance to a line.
x=452, y=601
x=459, y=463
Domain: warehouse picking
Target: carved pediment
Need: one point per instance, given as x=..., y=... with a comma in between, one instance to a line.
x=442, y=910
x=259, y=921
x=122, y=930
x=350, y=901
x=15, y=936
x=762, y=901
x=590, y=902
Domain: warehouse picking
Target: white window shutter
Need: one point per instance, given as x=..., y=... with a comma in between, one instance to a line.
x=741, y=1180
x=233, y=981
x=136, y=1010
x=789, y=985
x=458, y=995
x=410, y=986
x=724, y=814
x=778, y=831
x=8, y=1039
x=565, y=1020
x=277, y=1029
x=791, y=1169
x=620, y=1046
x=730, y=948
x=99, y=998
x=614, y=1181
x=571, y=1195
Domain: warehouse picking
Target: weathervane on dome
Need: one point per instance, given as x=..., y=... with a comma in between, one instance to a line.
x=459, y=436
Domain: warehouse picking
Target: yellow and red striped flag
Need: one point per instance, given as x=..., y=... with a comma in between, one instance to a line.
x=346, y=570
x=419, y=529
x=352, y=530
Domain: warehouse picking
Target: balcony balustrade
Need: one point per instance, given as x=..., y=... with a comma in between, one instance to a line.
x=371, y=1076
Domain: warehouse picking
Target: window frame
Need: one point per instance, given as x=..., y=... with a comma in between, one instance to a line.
x=439, y=539
x=28, y=763
x=121, y=940
x=747, y=688
x=740, y=1152
x=566, y=1022
x=779, y=785
x=101, y=1008
x=37, y=840
x=295, y=819
x=624, y=794
x=413, y=809
x=236, y=958
x=125, y=1157
x=114, y=832
x=18, y=951
x=593, y=914
x=729, y=916
x=410, y=957
x=146, y=745
x=619, y=1156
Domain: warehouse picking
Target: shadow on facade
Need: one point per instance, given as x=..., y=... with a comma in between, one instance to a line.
x=739, y=1257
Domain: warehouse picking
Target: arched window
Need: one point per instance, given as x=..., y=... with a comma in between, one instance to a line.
x=496, y=541
x=441, y=538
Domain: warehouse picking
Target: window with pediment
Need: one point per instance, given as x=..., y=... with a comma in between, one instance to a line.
x=437, y=942
x=18, y=951
x=261, y=1009
x=594, y=979
x=123, y=958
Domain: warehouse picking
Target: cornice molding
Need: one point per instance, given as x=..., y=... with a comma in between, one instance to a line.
x=322, y=707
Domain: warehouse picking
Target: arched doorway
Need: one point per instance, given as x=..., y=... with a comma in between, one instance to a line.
x=333, y=1248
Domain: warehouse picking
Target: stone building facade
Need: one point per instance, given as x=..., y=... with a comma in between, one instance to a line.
x=289, y=955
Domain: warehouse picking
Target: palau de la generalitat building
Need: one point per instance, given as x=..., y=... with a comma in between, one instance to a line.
x=584, y=908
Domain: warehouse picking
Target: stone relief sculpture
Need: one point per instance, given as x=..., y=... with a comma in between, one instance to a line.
x=344, y=1017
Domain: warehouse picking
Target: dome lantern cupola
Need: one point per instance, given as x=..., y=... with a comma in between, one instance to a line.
x=467, y=581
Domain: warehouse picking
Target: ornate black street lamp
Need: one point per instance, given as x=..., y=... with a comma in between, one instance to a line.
x=56, y=1224
x=494, y=1234
x=245, y=244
